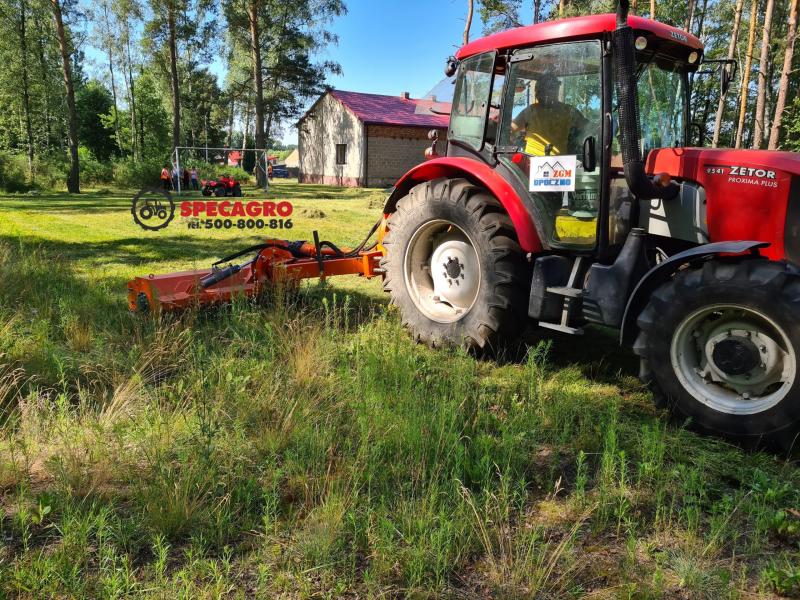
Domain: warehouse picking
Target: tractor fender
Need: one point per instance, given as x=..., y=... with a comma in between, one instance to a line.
x=663, y=271
x=479, y=174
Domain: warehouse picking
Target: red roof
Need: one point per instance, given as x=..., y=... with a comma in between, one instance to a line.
x=377, y=109
x=576, y=27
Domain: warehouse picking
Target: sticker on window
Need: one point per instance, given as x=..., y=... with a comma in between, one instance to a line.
x=553, y=173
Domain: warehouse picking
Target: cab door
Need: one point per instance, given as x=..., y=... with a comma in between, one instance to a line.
x=551, y=125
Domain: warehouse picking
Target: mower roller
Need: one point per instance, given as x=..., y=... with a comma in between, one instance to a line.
x=568, y=196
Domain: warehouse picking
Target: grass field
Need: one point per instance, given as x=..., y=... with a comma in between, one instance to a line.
x=306, y=448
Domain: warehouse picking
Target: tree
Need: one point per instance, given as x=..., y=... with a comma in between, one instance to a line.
x=26, y=96
x=748, y=63
x=737, y=20
x=105, y=34
x=124, y=12
x=174, y=22
x=758, y=136
x=783, y=86
x=468, y=24
x=282, y=41
x=94, y=105
x=73, y=178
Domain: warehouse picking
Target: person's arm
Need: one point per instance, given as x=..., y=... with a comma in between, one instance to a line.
x=520, y=122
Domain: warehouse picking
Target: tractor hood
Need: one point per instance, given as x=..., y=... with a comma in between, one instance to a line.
x=750, y=194
x=692, y=163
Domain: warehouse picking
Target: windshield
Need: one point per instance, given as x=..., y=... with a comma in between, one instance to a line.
x=661, y=91
x=662, y=106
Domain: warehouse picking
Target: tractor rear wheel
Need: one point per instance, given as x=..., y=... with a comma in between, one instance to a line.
x=719, y=346
x=454, y=267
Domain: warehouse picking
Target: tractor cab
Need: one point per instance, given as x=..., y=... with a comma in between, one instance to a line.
x=544, y=114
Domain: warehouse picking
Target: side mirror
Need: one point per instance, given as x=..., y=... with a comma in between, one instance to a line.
x=589, y=158
x=725, y=82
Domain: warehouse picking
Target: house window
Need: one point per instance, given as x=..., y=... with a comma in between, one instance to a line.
x=341, y=154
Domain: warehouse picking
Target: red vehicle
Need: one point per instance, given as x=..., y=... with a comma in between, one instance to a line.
x=569, y=196
x=224, y=186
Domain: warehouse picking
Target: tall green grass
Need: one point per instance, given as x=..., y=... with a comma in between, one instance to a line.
x=304, y=446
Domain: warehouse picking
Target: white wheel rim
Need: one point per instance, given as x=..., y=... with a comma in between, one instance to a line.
x=748, y=388
x=441, y=271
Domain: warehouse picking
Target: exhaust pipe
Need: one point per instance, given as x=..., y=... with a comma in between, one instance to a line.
x=625, y=62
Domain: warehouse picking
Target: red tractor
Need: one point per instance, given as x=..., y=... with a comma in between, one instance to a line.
x=569, y=196
x=224, y=186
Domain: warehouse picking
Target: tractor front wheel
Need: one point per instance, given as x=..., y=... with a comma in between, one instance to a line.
x=454, y=267
x=720, y=344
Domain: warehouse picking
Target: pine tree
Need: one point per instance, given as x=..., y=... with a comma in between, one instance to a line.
x=746, y=73
x=758, y=132
x=783, y=86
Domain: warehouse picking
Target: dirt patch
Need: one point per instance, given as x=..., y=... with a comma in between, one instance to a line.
x=313, y=213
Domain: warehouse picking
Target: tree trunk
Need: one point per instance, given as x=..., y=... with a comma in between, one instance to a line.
x=536, y=9
x=689, y=16
x=43, y=69
x=246, y=128
x=135, y=146
x=783, y=86
x=470, y=9
x=701, y=23
x=73, y=178
x=748, y=64
x=26, y=96
x=561, y=4
x=758, y=136
x=652, y=9
x=173, y=67
x=231, y=117
x=111, y=74
x=737, y=20
x=258, y=81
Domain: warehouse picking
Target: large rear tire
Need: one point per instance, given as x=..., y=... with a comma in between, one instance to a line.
x=719, y=346
x=454, y=267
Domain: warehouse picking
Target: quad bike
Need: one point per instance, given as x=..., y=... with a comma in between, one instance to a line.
x=692, y=254
x=224, y=186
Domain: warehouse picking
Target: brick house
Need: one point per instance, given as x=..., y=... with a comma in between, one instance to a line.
x=366, y=140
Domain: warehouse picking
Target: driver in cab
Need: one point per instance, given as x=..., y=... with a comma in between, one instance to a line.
x=548, y=121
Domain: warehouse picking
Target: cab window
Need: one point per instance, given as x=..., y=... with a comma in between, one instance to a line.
x=471, y=100
x=553, y=103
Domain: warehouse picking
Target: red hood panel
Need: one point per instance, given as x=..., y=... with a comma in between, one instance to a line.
x=747, y=191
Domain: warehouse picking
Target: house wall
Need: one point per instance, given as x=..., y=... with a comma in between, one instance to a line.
x=393, y=150
x=327, y=124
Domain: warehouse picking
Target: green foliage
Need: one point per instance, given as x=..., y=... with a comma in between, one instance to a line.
x=13, y=172
x=130, y=173
x=94, y=171
x=783, y=576
x=93, y=104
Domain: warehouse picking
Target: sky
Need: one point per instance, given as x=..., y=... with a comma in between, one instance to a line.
x=395, y=46
x=385, y=47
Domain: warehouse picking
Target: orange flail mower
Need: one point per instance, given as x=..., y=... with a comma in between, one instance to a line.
x=270, y=262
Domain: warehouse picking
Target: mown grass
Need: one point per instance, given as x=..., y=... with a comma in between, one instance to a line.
x=305, y=447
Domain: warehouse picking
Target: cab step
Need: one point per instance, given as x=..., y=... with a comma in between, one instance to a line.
x=572, y=301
